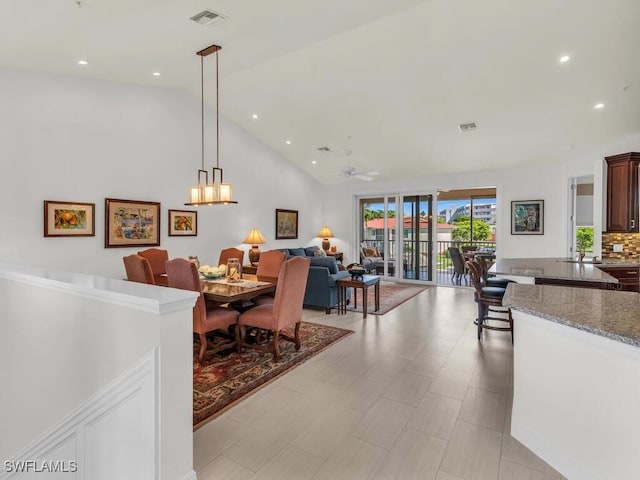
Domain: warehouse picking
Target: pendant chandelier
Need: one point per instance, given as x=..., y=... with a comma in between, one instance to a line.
x=217, y=192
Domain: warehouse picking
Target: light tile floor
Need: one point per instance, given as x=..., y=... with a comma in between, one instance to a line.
x=412, y=394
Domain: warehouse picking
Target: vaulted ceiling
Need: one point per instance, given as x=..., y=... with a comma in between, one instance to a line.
x=388, y=80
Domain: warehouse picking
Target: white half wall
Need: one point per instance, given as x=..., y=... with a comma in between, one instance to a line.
x=64, y=337
x=81, y=140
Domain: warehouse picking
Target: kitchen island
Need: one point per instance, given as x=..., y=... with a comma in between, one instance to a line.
x=576, y=400
x=558, y=271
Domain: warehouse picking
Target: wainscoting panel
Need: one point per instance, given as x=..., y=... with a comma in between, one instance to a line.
x=113, y=435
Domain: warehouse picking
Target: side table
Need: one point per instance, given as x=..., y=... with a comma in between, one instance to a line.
x=363, y=284
x=339, y=256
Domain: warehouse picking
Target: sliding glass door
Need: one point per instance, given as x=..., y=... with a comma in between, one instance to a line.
x=397, y=244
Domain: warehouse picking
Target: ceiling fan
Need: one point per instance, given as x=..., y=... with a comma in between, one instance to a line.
x=351, y=172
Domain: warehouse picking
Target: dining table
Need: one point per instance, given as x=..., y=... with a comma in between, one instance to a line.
x=238, y=293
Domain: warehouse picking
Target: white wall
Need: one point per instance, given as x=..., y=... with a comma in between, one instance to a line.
x=548, y=182
x=76, y=139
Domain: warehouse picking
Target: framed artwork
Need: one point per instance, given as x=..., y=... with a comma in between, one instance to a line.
x=69, y=219
x=527, y=217
x=286, y=224
x=183, y=223
x=131, y=223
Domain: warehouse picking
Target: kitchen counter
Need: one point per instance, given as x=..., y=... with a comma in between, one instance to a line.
x=557, y=268
x=606, y=313
x=576, y=394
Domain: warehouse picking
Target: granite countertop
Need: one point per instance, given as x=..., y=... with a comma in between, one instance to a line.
x=559, y=268
x=608, y=313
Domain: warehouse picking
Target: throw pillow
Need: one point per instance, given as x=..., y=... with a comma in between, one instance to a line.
x=371, y=252
x=319, y=253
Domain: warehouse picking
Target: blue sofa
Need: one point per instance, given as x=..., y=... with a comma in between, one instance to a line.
x=322, y=289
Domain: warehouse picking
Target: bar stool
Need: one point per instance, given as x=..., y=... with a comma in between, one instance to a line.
x=486, y=297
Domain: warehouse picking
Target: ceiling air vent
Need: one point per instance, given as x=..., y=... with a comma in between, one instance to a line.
x=207, y=17
x=324, y=149
x=468, y=127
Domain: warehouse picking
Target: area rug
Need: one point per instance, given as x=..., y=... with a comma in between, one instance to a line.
x=391, y=295
x=222, y=380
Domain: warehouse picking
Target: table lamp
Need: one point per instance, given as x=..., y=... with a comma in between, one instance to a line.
x=254, y=239
x=325, y=233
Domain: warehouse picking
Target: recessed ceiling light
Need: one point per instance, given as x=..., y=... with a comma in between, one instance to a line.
x=254, y=116
x=565, y=58
x=313, y=162
x=288, y=142
x=82, y=62
x=598, y=106
x=156, y=74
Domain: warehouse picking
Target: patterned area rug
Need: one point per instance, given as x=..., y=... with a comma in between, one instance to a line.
x=222, y=380
x=391, y=295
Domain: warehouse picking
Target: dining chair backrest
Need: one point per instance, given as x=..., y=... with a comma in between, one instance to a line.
x=228, y=253
x=138, y=269
x=269, y=265
x=183, y=274
x=292, y=283
x=157, y=257
x=456, y=259
x=477, y=279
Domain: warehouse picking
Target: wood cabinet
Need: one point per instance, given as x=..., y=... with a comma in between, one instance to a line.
x=629, y=277
x=622, y=192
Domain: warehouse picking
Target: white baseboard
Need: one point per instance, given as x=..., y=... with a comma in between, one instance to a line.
x=120, y=421
x=190, y=476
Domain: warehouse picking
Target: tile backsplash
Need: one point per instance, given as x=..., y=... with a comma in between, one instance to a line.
x=630, y=245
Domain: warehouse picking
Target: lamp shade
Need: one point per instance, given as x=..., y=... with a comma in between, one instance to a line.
x=325, y=232
x=255, y=237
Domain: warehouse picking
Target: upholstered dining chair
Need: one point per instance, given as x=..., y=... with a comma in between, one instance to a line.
x=228, y=253
x=157, y=258
x=184, y=275
x=285, y=310
x=487, y=297
x=138, y=269
x=268, y=271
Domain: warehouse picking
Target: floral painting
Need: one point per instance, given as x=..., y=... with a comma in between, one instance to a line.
x=64, y=219
x=130, y=223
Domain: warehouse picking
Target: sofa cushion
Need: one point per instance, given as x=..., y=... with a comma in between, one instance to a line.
x=329, y=262
x=311, y=251
x=371, y=252
x=297, y=252
x=285, y=251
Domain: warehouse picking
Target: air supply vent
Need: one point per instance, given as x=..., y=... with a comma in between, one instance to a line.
x=207, y=17
x=468, y=127
x=324, y=149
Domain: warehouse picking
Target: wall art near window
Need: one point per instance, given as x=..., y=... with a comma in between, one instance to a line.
x=69, y=219
x=286, y=224
x=183, y=223
x=131, y=223
x=527, y=217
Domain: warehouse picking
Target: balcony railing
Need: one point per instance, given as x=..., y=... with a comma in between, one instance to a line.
x=422, y=261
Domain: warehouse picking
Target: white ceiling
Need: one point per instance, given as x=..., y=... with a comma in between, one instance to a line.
x=395, y=75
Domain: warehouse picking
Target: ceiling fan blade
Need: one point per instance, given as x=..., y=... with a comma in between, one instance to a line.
x=366, y=178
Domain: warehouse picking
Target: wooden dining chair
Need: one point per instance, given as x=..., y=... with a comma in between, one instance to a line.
x=184, y=275
x=228, y=253
x=157, y=258
x=138, y=269
x=285, y=310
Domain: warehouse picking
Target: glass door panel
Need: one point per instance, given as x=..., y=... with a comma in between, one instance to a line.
x=417, y=237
